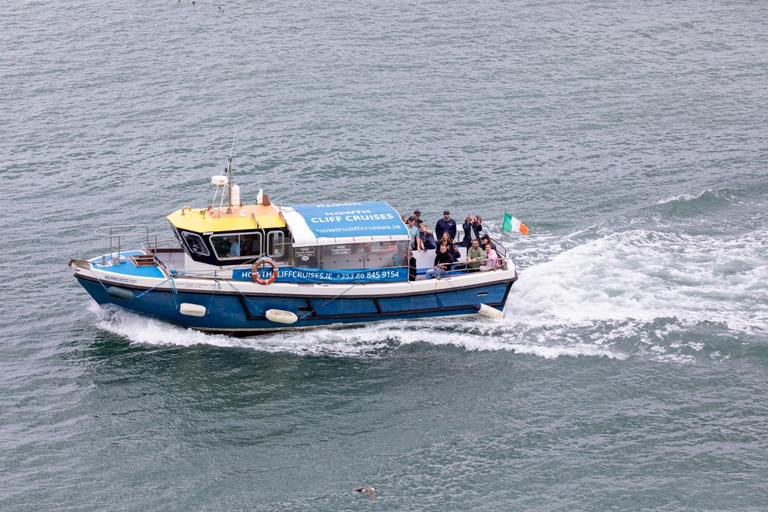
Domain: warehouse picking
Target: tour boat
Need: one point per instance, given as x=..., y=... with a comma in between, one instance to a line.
x=240, y=268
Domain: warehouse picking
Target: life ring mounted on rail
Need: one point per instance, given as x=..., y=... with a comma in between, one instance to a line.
x=262, y=262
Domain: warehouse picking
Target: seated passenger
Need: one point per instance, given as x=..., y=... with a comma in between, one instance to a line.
x=485, y=241
x=475, y=256
x=426, y=239
x=491, y=258
x=443, y=260
x=452, y=247
x=234, y=248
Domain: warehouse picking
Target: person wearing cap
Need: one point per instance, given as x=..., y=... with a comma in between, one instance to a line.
x=417, y=216
x=412, y=230
x=446, y=225
x=486, y=240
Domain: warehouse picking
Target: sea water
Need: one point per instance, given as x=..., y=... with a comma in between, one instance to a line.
x=630, y=371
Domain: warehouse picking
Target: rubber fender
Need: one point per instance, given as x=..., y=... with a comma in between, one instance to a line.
x=281, y=317
x=490, y=312
x=120, y=293
x=185, y=308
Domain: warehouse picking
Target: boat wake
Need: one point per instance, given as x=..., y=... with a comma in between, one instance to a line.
x=615, y=293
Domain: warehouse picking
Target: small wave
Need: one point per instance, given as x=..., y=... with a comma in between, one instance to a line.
x=681, y=197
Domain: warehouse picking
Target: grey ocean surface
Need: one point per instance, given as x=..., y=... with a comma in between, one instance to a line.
x=631, y=371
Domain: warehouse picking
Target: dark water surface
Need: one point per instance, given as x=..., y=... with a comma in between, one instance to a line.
x=631, y=370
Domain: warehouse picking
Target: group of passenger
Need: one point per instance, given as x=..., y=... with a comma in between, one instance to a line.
x=480, y=249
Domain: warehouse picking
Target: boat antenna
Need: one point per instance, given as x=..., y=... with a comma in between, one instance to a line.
x=229, y=173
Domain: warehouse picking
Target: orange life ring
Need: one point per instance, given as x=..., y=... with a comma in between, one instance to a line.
x=260, y=263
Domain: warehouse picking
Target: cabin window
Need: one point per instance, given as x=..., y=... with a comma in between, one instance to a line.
x=195, y=244
x=236, y=245
x=343, y=256
x=277, y=246
x=386, y=254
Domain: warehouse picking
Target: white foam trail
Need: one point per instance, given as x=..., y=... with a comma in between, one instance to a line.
x=622, y=284
x=643, y=275
x=372, y=340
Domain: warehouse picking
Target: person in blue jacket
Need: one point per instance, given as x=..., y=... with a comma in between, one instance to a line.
x=426, y=240
x=446, y=225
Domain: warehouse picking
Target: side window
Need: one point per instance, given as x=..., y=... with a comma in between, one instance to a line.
x=276, y=245
x=236, y=245
x=195, y=244
x=385, y=254
x=343, y=256
x=250, y=244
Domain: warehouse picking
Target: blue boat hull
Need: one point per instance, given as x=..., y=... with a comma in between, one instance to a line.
x=233, y=313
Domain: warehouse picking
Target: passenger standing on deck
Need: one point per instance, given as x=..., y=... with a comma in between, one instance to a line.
x=417, y=215
x=412, y=271
x=446, y=225
x=475, y=256
x=471, y=231
x=413, y=231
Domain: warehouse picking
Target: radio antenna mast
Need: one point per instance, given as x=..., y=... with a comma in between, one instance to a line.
x=229, y=173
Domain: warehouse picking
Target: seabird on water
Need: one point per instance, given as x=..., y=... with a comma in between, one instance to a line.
x=220, y=9
x=369, y=490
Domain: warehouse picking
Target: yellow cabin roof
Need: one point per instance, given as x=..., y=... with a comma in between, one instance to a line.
x=202, y=220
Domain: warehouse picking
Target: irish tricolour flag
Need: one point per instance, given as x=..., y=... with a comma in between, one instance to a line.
x=513, y=224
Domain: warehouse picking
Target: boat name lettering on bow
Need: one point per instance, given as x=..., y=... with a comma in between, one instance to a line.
x=120, y=279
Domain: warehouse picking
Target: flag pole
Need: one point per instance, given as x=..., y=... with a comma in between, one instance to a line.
x=502, y=230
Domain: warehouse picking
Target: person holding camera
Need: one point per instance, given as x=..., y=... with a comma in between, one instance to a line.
x=472, y=230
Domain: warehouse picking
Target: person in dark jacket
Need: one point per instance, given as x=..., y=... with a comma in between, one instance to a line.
x=452, y=249
x=417, y=215
x=486, y=240
x=443, y=261
x=446, y=225
x=471, y=231
x=412, y=271
x=426, y=239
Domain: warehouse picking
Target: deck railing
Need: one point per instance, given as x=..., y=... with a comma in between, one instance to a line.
x=116, y=234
